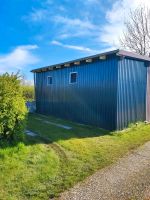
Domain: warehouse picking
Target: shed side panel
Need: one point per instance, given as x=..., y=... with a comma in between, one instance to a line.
x=148, y=95
x=131, y=97
x=92, y=100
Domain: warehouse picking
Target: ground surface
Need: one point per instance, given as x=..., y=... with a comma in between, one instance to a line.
x=61, y=154
x=128, y=179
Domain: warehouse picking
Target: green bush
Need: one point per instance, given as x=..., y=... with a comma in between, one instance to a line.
x=28, y=92
x=13, y=110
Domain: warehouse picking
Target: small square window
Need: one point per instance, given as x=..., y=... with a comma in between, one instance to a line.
x=49, y=80
x=73, y=77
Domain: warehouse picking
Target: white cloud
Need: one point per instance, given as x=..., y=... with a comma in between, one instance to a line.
x=92, y=1
x=87, y=24
x=78, y=48
x=59, y=19
x=56, y=43
x=37, y=15
x=49, y=2
x=18, y=58
x=74, y=22
x=75, y=27
x=109, y=33
x=115, y=17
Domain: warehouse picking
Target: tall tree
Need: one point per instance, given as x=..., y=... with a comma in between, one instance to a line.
x=136, y=36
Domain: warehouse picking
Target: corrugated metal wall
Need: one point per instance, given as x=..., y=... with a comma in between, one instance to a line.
x=110, y=94
x=131, y=97
x=92, y=100
x=148, y=94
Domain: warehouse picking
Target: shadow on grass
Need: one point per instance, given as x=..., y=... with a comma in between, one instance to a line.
x=47, y=133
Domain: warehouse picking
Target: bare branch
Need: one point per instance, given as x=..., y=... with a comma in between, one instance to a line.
x=137, y=31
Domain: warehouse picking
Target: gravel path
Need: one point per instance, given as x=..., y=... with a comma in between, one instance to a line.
x=128, y=179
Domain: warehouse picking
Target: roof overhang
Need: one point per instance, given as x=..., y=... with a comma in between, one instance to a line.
x=133, y=55
x=89, y=59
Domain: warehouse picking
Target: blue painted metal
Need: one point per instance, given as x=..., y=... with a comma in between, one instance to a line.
x=109, y=93
x=131, y=92
x=92, y=100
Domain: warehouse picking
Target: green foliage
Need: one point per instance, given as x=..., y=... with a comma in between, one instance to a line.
x=28, y=92
x=45, y=166
x=12, y=107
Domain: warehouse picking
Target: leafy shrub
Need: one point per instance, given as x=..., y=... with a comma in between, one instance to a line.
x=12, y=107
x=28, y=92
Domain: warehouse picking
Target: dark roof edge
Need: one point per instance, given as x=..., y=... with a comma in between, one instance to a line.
x=77, y=60
x=117, y=52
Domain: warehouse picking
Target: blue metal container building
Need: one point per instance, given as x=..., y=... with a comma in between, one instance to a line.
x=108, y=90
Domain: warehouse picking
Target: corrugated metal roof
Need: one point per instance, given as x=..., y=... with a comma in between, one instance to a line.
x=88, y=59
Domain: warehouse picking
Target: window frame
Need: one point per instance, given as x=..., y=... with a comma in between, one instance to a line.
x=70, y=77
x=51, y=79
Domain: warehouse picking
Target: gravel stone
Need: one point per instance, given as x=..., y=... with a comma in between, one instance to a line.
x=128, y=179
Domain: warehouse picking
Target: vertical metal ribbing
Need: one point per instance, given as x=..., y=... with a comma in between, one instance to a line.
x=91, y=100
x=131, y=95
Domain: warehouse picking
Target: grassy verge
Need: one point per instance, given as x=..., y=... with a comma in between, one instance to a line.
x=44, y=166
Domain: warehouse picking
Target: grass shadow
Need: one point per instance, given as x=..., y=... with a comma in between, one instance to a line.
x=49, y=133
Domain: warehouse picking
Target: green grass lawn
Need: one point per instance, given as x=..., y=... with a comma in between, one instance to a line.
x=44, y=166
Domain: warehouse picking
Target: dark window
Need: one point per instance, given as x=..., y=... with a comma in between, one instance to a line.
x=49, y=80
x=73, y=77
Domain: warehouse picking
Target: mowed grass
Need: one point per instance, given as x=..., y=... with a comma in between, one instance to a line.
x=45, y=166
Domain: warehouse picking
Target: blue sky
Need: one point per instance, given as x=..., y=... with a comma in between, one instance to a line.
x=36, y=33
